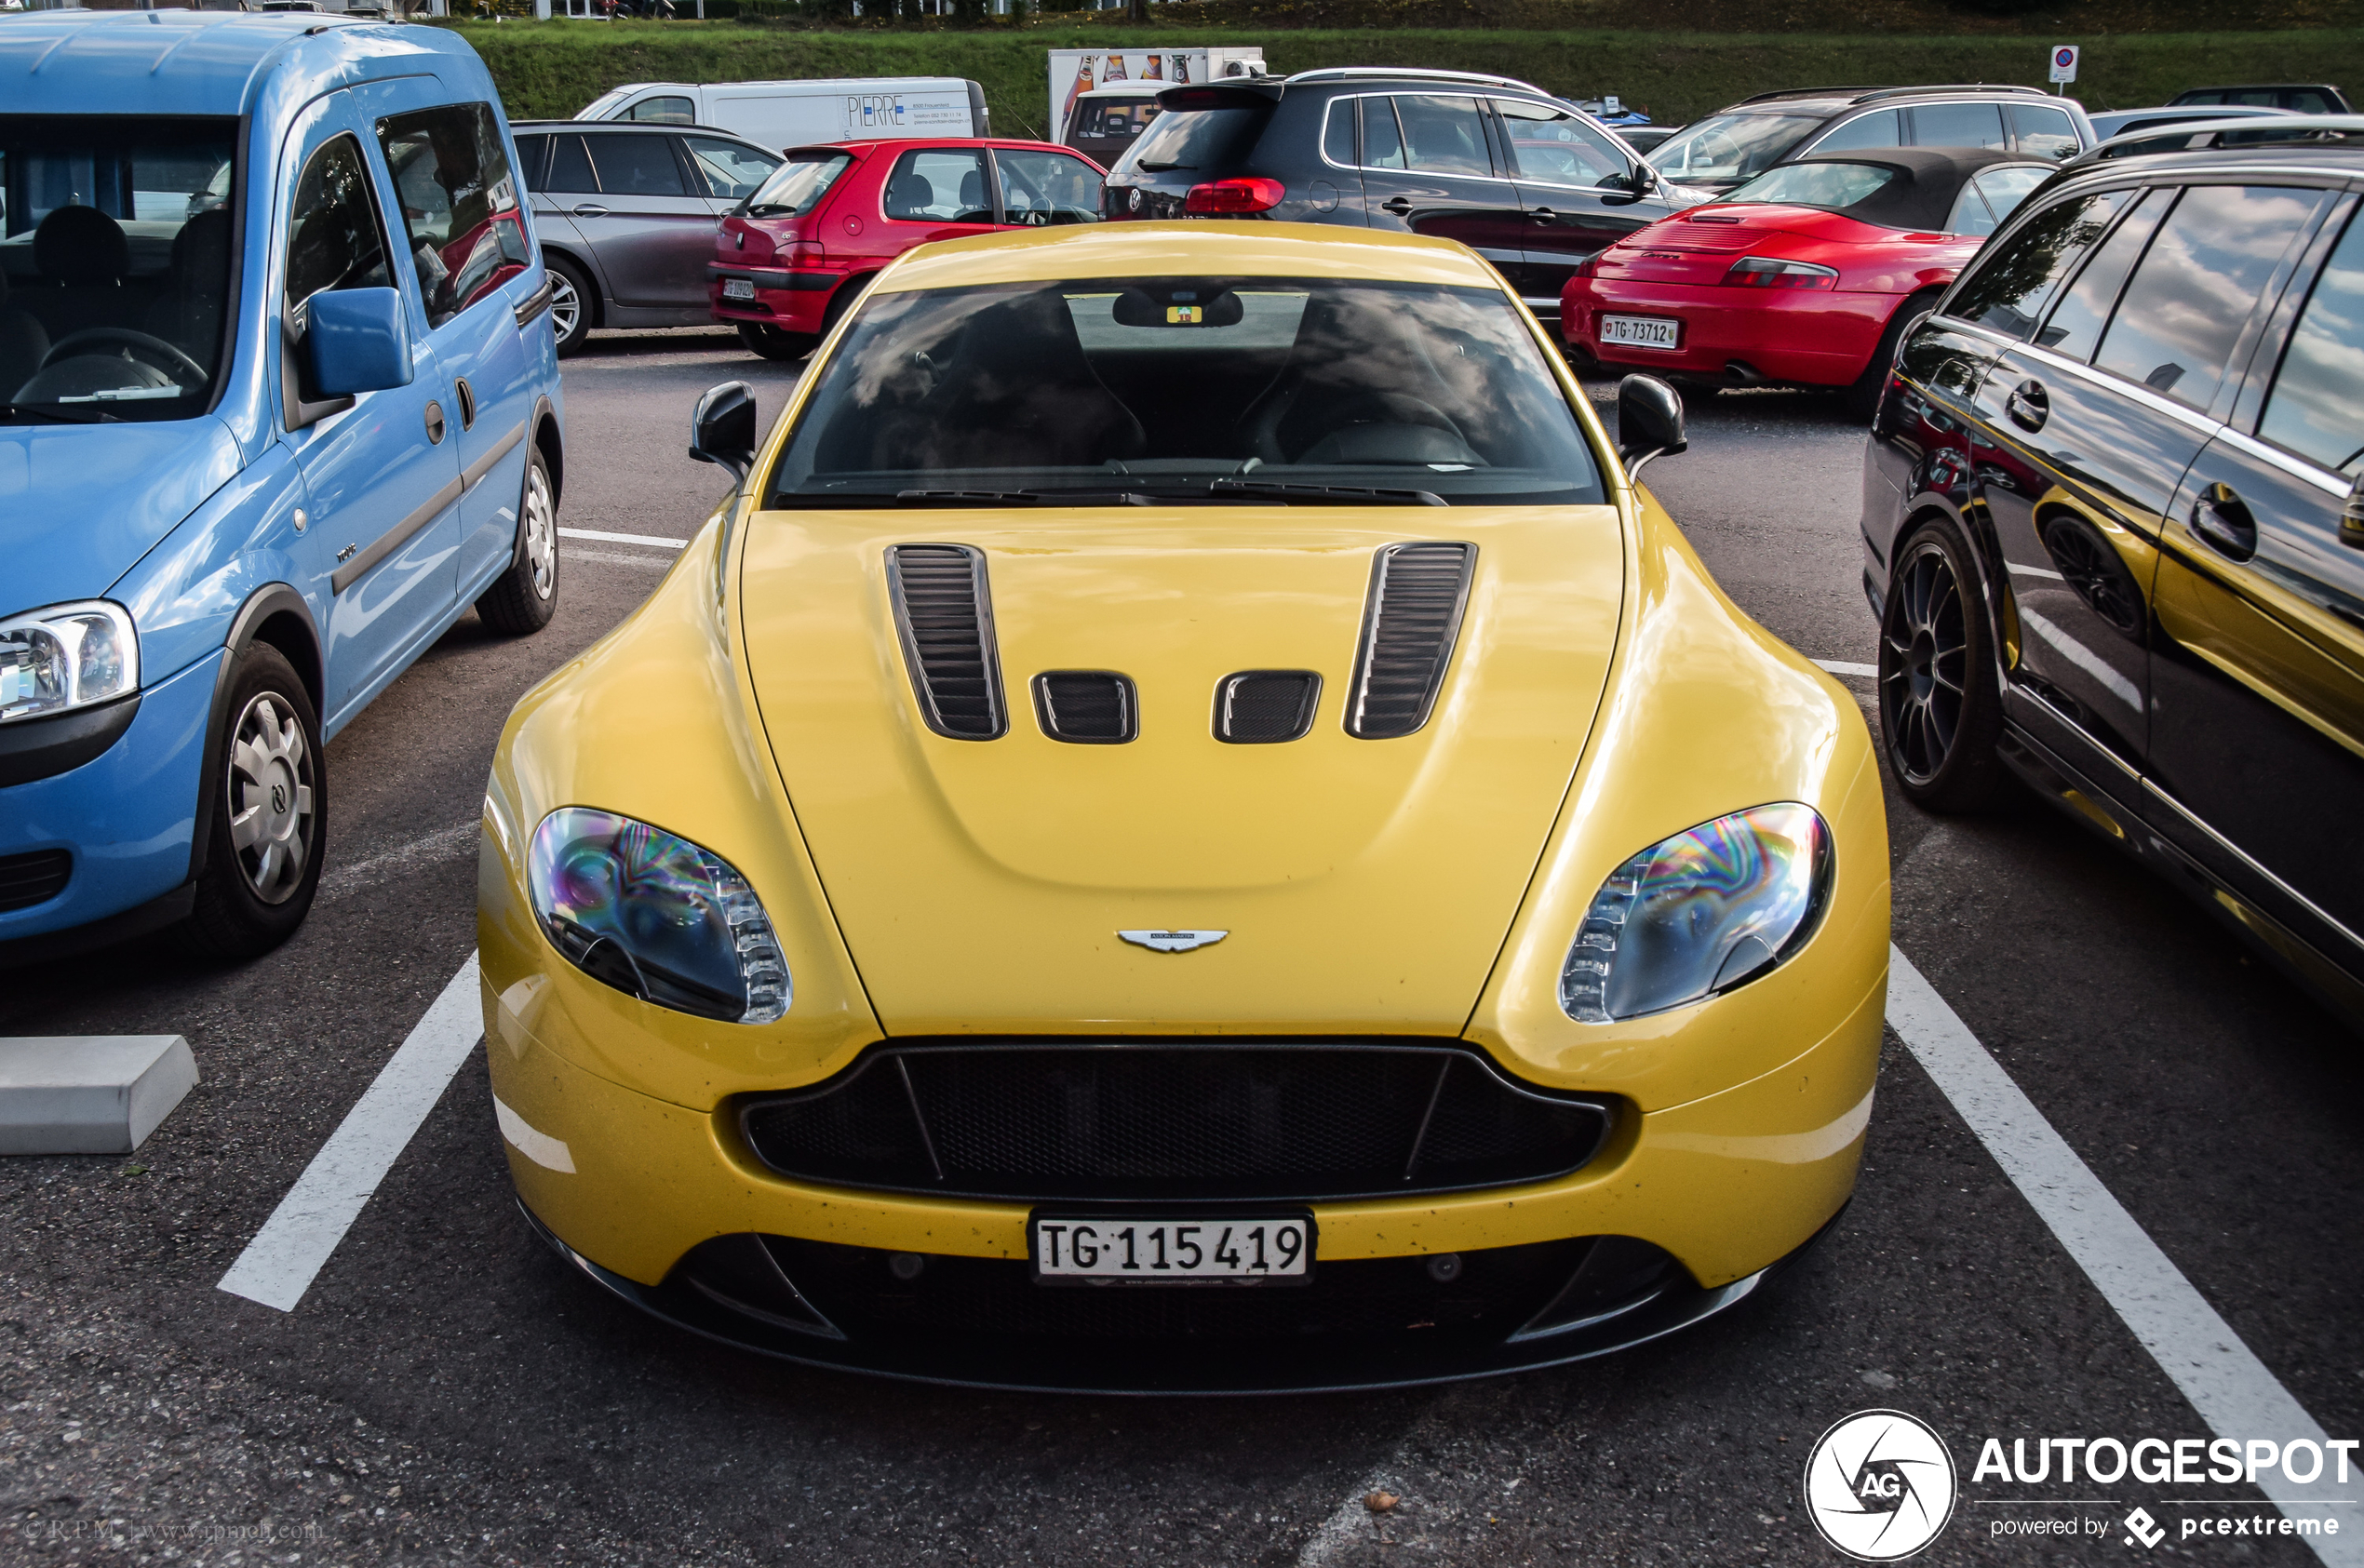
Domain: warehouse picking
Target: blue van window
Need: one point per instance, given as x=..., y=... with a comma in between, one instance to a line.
x=334, y=240
x=115, y=265
x=459, y=204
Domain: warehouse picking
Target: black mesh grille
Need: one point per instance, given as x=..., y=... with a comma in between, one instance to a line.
x=1408, y=627
x=946, y=619
x=28, y=879
x=1092, y=707
x=1257, y=707
x=1120, y=1122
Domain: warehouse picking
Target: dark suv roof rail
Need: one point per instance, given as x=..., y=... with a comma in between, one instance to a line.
x=2262, y=130
x=1415, y=74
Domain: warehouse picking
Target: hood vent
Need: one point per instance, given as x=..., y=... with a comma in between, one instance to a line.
x=1260, y=707
x=945, y=616
x=1409, y=622
x=1089, y=708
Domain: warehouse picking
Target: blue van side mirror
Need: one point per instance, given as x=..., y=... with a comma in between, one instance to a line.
x=359, y=340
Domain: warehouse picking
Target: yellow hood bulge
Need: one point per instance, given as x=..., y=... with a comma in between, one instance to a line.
x=980, y=885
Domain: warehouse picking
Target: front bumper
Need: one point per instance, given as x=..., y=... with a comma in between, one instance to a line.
x=1803, y=337
x=792, y=300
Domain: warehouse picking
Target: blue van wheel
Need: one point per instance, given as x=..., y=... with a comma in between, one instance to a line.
x=270, y=814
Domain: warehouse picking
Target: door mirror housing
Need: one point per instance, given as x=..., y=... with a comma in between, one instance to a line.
x=1649, y=422
x=1633, y=185
x=358, y=340
x=722, y=428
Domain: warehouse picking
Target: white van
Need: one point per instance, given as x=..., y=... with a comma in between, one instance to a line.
x=784, y=114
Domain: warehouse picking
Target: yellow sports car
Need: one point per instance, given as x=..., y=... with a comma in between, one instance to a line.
x=1189, y=828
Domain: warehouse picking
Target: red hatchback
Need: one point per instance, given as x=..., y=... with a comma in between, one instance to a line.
x=1807, y=275
x=795, y=255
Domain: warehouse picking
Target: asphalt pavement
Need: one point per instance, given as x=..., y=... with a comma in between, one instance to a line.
x=447, y=1391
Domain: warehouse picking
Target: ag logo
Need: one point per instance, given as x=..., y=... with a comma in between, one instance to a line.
x=1880, y=1485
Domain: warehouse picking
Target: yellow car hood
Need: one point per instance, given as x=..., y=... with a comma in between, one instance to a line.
x=1366, y=885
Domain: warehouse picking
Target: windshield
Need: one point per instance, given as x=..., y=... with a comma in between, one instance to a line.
x=597, y=108
x=1188, y=389
x=1832, y=185
x=115, y=265
x=1725, y=149
x=797, y=184
x=1196, y=140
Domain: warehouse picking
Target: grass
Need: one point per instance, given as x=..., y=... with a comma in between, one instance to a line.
x=552, y=69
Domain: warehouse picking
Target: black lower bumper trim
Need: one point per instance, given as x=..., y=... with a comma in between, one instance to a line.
x=41, y=748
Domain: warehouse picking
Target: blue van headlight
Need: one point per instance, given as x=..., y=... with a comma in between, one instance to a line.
x=1699, y=913
x=65, y=657
x=656, y=916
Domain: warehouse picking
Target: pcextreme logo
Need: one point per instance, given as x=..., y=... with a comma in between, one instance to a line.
x=1880, y=1485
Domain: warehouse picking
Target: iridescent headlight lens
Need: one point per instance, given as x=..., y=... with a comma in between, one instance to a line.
x=1700, y=913
x=67, y=656
x=656, y=916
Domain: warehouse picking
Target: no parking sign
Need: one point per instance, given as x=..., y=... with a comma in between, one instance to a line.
x=2064, y=63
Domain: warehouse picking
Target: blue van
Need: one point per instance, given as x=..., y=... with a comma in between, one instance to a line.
x=279, y=401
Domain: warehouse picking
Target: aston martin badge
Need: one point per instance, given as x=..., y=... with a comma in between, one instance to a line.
x=1173, y=941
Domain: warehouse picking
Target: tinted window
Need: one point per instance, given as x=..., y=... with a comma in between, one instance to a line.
x=732, y=169
x=1202, y=140
x=2307, y=103
x=1382, y=141
x=2006, y=292
x=2194, y=290
x=333, y=238
x=637, y=166
x=1957, y=124
x=1866, y=130
x=459, y=204
x=1553, y=145
x=938, y=185
x=569, y=167
x=2048, y=133
x=2006, y=188
x=1970, y=215
x=1443, y=134
x=798, y=185
x=1338, y=133
x=2313, y=409
x=2077, y=321
x=663, y=111
x=1042, y=188
x=1730, y=146
x=533, y=156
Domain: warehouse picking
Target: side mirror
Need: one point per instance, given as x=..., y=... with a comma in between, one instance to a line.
x=358, y=340
x=1633, y=184
x=722, y=428
x=2352, y=519
x=1649, y=422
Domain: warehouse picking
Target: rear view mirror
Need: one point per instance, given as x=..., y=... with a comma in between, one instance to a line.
x=722, y=428
x=1649, y=422
x=358, y=340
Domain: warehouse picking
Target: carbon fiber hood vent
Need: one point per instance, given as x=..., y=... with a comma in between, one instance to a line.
x=944, y=615
x=1410, y=620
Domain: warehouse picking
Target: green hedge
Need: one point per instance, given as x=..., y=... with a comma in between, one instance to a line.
x=552, y=69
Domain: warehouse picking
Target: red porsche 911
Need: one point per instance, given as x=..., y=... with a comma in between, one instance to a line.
x=1807, y=275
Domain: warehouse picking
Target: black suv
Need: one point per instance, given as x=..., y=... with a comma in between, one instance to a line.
x=2113, y=529
x=1739, y=143
x=1528, y=181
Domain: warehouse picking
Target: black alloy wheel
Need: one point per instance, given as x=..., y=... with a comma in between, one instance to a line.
x=1939, y=712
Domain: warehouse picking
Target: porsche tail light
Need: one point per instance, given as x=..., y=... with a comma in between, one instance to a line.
x=1772, y=272
x=1246, y=195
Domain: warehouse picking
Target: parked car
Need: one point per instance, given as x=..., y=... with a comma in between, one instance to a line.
x=783, y=115
x=804, y=246
x=627, y=216
x=1528, y=181
x=1740, y=142
x=1103, y=123
x=2303, y=98
x=1364, y=864
x=257, y=456
x=2268, y=130
x=1807, y=275
x=1642, y=138
x=2116, y=542
x=2112, y=123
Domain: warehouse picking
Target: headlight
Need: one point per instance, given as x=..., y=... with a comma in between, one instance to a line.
x=656, y=916
x=1700, y=913
x=67, y=656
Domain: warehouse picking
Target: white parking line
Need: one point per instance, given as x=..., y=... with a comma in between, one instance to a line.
x=1836, y=666
x=2221, y=1376
x=279, y=1264
x=603, y=537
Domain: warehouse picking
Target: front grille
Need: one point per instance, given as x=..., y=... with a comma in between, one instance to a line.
x=1258, y=707
x=944, y=613
x=28, y=879
x=1413, y=615
x=1154, y=1120
x=1090, y=707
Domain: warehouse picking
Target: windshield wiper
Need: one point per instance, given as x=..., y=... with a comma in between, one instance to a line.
x=1351, y=495
x=1021, y=498
x=55, y=416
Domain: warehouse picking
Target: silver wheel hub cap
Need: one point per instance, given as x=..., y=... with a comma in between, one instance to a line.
x=566, y=306
x=269, y=794
x=541, y=534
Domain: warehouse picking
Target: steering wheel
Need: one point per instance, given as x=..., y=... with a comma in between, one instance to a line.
x=170, y=360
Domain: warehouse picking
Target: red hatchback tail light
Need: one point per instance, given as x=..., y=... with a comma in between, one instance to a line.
x=1772, y=272
x=806, y=254
x=1235, y=196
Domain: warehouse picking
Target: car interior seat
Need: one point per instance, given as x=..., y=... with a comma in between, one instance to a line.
x=23, y=343
x=910, y=194
x=1332, y=402
x=972, y=205
x=83, y=256
x=189, y=312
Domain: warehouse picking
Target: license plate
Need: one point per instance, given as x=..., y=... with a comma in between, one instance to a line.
x=1640, y=332
x=738, y=289
x=1163, y=1250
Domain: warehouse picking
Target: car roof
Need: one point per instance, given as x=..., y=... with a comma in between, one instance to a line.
x=2335, y=139
x=1276, y=251
x=205, y=62
x=608, y=127
x=1149, y=86
x=1830, y=100
x=859, y=144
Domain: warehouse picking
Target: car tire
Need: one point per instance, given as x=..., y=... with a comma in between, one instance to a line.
x=573, y=304
x=522, y=599
x=1940, y=711
x=776, y=343
x=1863, y=398
x=273, y=792
x=848, y=293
